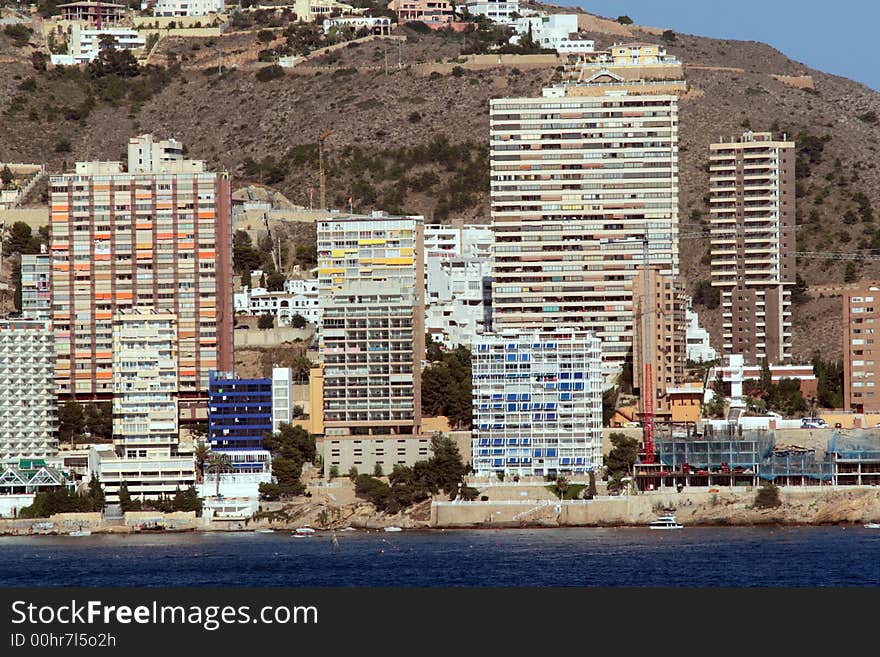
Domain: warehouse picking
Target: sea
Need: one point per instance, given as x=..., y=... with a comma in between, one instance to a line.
x=846, y=556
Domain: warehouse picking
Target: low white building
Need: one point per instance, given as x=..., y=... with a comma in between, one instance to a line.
x=85, y=44
x=375, y=24
x=299, y=297
x=699, y=348
x=500, y=11
x=556, y=31
x=188, y=7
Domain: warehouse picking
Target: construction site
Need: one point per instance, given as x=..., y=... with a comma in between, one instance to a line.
x=686, y=457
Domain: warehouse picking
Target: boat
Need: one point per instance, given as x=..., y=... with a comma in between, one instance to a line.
x=665, y=522
x=872, y=525
x=392, y=528
x=304, y=531
x=80, y=532
x=264, y=531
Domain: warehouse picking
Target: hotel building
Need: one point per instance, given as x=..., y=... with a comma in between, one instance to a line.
x=752, y=206
x=537, y=403
x=158, y=235
x=578, y=184
x=371, y=340
x=28, y=407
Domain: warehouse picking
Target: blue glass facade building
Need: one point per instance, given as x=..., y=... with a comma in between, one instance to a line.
x=239, y=411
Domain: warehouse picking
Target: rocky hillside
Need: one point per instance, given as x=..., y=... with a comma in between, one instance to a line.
x=414, y=140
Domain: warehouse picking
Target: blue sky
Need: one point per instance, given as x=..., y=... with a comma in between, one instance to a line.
x=833, y=37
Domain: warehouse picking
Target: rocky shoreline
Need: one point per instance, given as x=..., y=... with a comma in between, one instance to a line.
x=701, y=508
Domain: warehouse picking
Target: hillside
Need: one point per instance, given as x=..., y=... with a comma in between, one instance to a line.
x=416, y=141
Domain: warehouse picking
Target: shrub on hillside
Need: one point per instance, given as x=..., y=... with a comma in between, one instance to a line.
x=270, y=73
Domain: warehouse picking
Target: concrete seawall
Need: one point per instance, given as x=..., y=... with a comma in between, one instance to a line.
x=728, y=506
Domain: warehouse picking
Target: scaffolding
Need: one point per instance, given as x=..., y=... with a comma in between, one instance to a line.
x=715, y=450
x=856, y=457
x=797, y=467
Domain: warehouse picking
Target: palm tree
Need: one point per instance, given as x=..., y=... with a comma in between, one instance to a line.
x=218, y=464
x=201, y=453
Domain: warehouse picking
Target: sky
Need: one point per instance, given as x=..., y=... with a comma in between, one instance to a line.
x=833, y=37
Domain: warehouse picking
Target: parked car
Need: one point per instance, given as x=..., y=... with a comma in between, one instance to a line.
x=813, y=423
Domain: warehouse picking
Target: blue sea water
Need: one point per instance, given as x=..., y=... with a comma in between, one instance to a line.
x=695, y=556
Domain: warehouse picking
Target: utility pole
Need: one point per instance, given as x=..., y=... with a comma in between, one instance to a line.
x=219, y=59
x=399, y=53
x=385, y=49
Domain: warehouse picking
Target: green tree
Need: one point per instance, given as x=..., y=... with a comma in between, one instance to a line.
x=609, y=405
x=352, y=473
x=275, y=281
x=71, y=421
x=219, y=464
x=767, y=496
x=96, y=494
x=377, y=470
x=623, y=454
x=125, y=501
x=98, y=419
x=266, y=321
x=624, y=20
x=334, y=471
x=21, y=240
x=6, y=176
x=201, y=453
x=298, y=321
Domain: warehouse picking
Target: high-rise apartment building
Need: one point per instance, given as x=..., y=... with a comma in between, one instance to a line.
x=537, y=403
x=666, y=304
x=36, y=286
x=861, y=356
x=578, y=184
x=158, y=237
x=372, y=340
x=145, y=395
x=28, y=406
x=752, y=206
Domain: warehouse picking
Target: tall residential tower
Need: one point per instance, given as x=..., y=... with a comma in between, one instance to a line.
x=579, y=183
x=372, y=340
x=753, y=243
x=157, y=235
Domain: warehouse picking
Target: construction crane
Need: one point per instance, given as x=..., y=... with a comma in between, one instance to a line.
x=323, y=182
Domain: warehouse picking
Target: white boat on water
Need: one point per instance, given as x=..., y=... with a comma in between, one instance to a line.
x=264, y=531
x=80, y=532
x=393, y=529
x=665, y=522
x=872, y=525
x=304, y=531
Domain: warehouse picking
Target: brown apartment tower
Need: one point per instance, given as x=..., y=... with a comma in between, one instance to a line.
x=156, y=235
x=752, y=208
x=861, y=356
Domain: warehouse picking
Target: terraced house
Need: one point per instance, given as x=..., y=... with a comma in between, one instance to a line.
x=157, y=235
